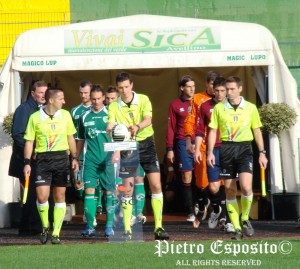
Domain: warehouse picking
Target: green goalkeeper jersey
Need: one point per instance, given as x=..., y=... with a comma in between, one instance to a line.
x=92, y=128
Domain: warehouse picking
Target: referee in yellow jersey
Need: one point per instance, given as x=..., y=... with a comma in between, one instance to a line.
x=135, y=111
x=52, y=130
x=238, y=121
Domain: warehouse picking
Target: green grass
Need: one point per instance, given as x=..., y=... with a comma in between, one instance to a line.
x=142, y=255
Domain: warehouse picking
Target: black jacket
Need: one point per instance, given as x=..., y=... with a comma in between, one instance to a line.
x=20, y=120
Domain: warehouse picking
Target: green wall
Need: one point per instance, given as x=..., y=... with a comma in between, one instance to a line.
x=281, y=17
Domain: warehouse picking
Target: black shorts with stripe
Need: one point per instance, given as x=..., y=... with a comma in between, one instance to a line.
x=235, y=158
x=53, y=168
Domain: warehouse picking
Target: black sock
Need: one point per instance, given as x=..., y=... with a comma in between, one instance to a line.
x=222, y=196
x=187, y=197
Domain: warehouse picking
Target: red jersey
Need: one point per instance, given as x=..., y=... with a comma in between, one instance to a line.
x=178, y=110
x=203, y=120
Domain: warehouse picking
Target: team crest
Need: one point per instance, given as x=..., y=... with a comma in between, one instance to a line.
x=105, y=119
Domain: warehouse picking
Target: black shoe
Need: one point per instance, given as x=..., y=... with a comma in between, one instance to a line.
x=161, y=234
x=55, y=240
x=44, y=235
x=237, y=235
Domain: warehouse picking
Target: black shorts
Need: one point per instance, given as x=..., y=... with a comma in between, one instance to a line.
x=52, y=168
x=235, y=158
x=129, y=163
x=148, y=156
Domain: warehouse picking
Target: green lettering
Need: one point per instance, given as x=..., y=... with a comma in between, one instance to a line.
x=144, y=41
x=205, y=37
x=158, y=40
x=171, y=38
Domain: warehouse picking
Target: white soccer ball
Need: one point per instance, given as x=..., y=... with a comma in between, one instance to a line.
x=120, y=133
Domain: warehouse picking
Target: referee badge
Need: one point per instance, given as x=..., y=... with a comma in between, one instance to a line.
x=52, y=127
x=235, y=118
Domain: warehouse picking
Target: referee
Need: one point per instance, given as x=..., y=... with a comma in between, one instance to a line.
x=238, y=121
x=135, y=111
x=52, y=130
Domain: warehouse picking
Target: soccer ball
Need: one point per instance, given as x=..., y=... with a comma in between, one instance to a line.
x=120, y=133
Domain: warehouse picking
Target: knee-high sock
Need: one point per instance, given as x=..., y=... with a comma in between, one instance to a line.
x=246, y=202
x=157, y=206
x=89, y=208
x=127, y=211
x=202, y=195
x=215, y=201
x=110, y=209
x=222, y=196
x=99, y=196
x=187, y=197
x=233, y=212
x=59, y=214
x=43, y=210
x=139, y=199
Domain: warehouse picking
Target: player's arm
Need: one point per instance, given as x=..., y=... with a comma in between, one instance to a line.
x=147, y=121
x=197, y=155
x=200, y=133
x=170, y=134
x=73, y=152
x=28, y=149
x=109, y=127
x=189, y=125
x=212, y=136
x=263, y=161
x=79, y=146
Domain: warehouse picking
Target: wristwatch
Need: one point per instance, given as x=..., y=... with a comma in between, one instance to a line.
x=26, y=161
x=263, y=151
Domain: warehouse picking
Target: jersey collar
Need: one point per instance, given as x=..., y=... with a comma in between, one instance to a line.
x=135, y=100
x=241, y=105
x=45, y=116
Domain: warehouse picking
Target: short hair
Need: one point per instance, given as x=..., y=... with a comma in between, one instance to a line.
x=219, y=81
x=97, y=88
x=39, y=83
x=112, y=89
x=85, y=83
x=237, y=80
x=184, y=80
x=51, y=92
x=123, y=77
x=212, y=75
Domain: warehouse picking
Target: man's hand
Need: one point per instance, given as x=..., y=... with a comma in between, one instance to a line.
x=75, y=165
x=210, y=159
x=190, y=148
x=263, y=161
x=170, y=156
x=27, y=170
x=197, y=156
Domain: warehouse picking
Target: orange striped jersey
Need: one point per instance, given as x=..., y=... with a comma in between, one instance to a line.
x=190, y=121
